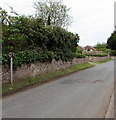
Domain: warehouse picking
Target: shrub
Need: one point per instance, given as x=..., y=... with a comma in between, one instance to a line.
x=28, y=56
x=79, y=55
x=79, y=50
x=96, y=55
x=113, y=53
x=25, y=35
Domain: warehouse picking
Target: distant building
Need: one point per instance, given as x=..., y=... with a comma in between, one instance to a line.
x=89, y=49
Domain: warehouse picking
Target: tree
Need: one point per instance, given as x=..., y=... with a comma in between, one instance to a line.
x=5, y=17
x=112, y=41
x=54, y=13
x=101, y=46
x=30, y=39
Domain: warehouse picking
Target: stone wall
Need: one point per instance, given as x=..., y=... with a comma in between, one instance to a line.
x=98, y=59
x=38, y=68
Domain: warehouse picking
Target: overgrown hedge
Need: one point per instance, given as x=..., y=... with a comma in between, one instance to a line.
x=79, y=55
x=113, y=53
x=26, y=33
x=31, y=40
x=29, y=56
x=96, y=55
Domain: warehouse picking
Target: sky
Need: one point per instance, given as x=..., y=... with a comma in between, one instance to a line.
x=93, y=20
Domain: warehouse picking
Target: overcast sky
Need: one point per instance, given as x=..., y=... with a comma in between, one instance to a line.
x=93, y=20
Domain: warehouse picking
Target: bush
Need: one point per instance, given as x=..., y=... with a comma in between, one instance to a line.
x=5, y=58
x=28, y=56
x=79, y=55
x=25, y=35
x=79, y=50
x=113, y=53
x=96, y=55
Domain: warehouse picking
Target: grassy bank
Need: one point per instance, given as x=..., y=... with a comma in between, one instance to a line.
x=103, y=61
x=19, y=85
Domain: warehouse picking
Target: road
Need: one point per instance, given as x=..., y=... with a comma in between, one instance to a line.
x=84, y=94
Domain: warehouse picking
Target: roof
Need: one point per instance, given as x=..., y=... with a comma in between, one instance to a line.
x=89, y=47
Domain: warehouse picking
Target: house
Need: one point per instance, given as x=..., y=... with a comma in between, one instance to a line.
x=89, y=49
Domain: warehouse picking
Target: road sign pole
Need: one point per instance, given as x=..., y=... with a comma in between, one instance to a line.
x=11, y=70
x=11, y=54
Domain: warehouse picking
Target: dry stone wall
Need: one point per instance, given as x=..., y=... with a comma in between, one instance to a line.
x=38, y=68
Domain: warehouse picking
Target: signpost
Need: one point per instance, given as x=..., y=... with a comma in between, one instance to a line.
x=11, y=54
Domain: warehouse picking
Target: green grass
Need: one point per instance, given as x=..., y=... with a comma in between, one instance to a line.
x=18, y=85
x=103, y=61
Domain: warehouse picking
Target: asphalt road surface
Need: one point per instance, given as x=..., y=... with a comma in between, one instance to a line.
x=85, y=94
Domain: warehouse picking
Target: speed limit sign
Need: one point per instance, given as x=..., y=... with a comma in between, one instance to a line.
x=11, y=54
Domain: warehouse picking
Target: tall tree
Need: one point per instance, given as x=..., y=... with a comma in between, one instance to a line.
x=54, y=13
x=112, y=41
x=101, y=46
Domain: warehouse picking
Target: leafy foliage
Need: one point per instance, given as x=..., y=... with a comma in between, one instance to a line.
x=31, y=40
x=54, y=13
x=29, y=56
x=79, y=55
x=96, y=55
x=113, y=53
x=101, y=46
x=112, y=41
x=79, y=49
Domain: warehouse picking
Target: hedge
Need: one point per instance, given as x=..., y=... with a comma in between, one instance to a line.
x=96, y=55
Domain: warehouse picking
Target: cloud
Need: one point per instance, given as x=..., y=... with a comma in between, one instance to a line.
x=21, y=6
x=93, y=20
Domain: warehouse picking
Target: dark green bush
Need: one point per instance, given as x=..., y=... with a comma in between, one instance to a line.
x=79, y=50
x=96, y=55
x=28, y=56
x=31, y=40
x=113, y=53
x=5, y=59
x=79, y=55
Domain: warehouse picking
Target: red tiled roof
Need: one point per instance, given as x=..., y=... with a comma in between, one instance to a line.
x=89, y=47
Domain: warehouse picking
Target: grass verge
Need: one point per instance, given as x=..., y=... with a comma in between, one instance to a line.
x=103, y=61
x=19, y=85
